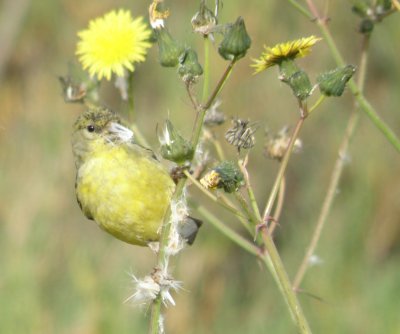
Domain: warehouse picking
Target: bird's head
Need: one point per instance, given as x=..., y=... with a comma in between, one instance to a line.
x=96, y=127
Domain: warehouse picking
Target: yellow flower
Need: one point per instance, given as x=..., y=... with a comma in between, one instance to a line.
x=289, y=50
x=113, y=43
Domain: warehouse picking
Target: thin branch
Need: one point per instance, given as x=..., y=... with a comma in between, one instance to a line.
x=213, y=197
x=278, y=207
x=336, y=174
x=228, y=232
x=249, y=188
x=275, y=261
x=356, y=91
x=166, y=226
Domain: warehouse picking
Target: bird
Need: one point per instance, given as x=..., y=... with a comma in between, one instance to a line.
x=120, y=184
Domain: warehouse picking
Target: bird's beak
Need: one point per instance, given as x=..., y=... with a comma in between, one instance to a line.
x=123, y=133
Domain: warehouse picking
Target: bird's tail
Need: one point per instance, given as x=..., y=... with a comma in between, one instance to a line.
x=188, y=229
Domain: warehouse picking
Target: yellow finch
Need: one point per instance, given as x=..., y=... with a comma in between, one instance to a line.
x=120, y=184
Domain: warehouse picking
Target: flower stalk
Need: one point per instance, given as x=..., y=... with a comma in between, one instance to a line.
x=270, y=248
x=364, y=104
x=337, y=171
x=162, y=258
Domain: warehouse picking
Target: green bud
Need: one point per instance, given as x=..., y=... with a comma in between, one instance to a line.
x=173, y=146
x=226, y=175
x=300, y=84
x=236, y=41
x=366, y=26
x=287, y=67
x=361, y=8
x=189, y=68
x=296, y=78
x=383, y=6
x=170, y=50
x=231, y=178
x=332, y=83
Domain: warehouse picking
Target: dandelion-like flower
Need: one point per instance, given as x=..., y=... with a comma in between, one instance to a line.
x=280, y=52
x=113, y=43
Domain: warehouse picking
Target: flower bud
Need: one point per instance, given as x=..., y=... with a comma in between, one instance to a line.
x=189, y=68
x=204, y=21
x=296, y=78
x=287, y=67
x=383, y=6
x=236, y=41
x=300, y=84
x=226, y=175
x=332, y=83
x=173, y=146
x=361, y=8
x=366, y=26
x=170, y=51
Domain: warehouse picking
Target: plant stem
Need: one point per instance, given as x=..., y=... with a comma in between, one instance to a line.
x=228, y=232
x=249, y=188
x=278, y=207
x=223, y=201
x=138, y=137
x=317, y=103
x=337, y=172
x=356, y=91
x=131, y=99
x=275, y=261
x=162, y=259
x=281, y=172
x=206, y=68
x=301, y=9
x=201, y=112
x=213, y=197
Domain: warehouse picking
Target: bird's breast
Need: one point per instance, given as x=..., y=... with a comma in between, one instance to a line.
x=126, y=193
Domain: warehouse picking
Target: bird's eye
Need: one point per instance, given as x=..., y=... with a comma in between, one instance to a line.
x=90, y=128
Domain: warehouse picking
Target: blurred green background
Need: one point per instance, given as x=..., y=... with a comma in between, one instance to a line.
x=60, y=274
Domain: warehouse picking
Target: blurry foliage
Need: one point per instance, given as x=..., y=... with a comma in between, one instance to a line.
x=60, y=274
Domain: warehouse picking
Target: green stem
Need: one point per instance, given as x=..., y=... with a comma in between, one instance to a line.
x=138, y=136
x=201, y=112
x=281, y=172
x=223, y=201
x=249, y=188
x=131, y=100
x=206, y=68
x=228, y=232
x=213, y=197
x=285, y=285
x=162, y=259
x=219, y=150
x=278, y=268
x=166, y=226
x=362, y=101
x=317, y=103
x=337, y=172
x=278, y=207
x=251, y=216
x=301, y=9
x=374, y=117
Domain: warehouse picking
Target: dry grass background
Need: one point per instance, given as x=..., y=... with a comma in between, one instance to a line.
x=60, y=274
